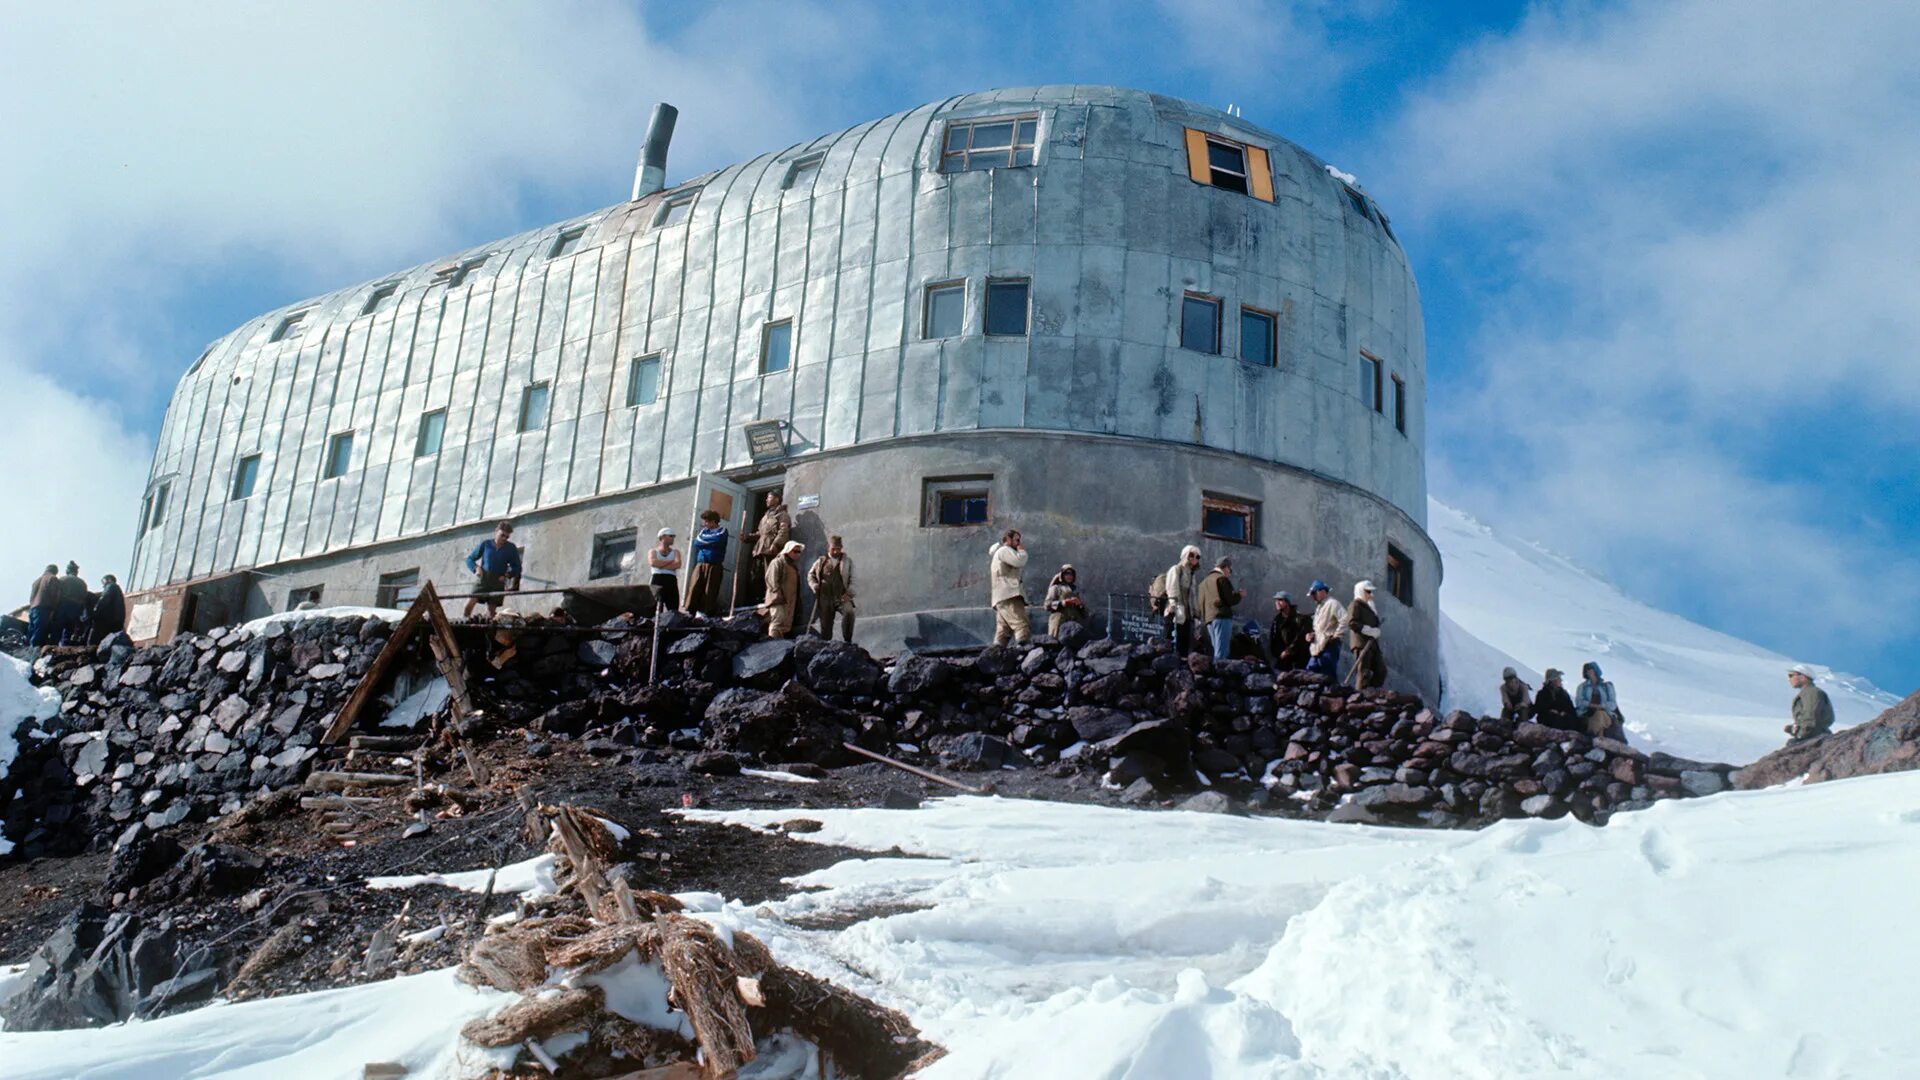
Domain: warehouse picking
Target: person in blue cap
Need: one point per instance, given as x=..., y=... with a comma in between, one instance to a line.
x=1329, y=622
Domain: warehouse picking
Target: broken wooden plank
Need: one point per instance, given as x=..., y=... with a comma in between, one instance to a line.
x=330, y=779
x=377, y=671
x=921, y=773
x=405, y=744
x=339, y=802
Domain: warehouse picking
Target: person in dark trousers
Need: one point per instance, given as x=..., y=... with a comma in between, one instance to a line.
x=43, y=607
x=495, y=564
x=1217, y=600
x=770, y=536
x=1597, y=706
x=1329, y=619
x=109, y=611
x=709, y=564
x=664, y=564
x=1516, y=697
x=1363, y=637
x=74, y=605
x=1812, y=708
x=1287, y=637
x=831, y=579
x=1552, y=706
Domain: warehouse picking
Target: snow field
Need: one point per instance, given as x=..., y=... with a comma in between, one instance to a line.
x=21, y=703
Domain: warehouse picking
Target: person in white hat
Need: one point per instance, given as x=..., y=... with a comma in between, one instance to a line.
x=783, y=590
x=1363, y=637
x=1812, y=708
x=664, y=561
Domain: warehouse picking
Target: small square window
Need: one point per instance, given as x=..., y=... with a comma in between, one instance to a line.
x=157, y=506
x=994, y=143
x=1007, y=307
x=1399, y=575
x=245, y=472
x=802, y=173
x=379, y=297
x=946, y=309
x=1373, y=382
x=433, y=427
x=676, y=209
x=776, y=347
x=290, y=327
x=1358, y=201
x=956, y=501
x=305, y=594
x=533, y=407
x=398, y=589
x=1227, y=165
x=1233, y=520
x=1200, y=323
x=339, y=455
x=613, y=554
x=643, y=382
x=566, y=243
x=1400, y=404
x=1257, y=337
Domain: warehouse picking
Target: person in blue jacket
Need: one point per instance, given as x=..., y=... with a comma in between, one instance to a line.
x=495, y=562
x=709, y=564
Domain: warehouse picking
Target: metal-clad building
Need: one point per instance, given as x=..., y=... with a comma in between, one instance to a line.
x=1118, y=321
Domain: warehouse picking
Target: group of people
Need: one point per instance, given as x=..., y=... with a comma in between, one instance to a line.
x=63, y=611
x=775, y=566
x=1593, y=707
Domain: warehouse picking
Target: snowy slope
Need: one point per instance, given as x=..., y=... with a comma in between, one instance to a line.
x=21, y=702
x=1684, y=688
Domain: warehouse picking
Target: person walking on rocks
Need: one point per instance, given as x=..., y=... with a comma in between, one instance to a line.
x=664, y=562
x=709, y=564
x=1363, y=637
x=831, y=579
x=1180, y=583
x=75, y=603
x=1006, y=562
x=495, y=565
x=771, y=535
x=783, y=590
x=1812, y=708
x=1218, y=598
x=1064, y=604
x=109, y=611
x=1552, y=706
x=1287, y=645
x=1329, y=620
x=1516, y=697
x=43, y=607
x=1597, y=706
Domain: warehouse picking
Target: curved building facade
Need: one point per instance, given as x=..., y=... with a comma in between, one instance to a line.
x=1117, y=321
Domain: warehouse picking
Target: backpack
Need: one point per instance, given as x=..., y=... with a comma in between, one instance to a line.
x=1157, y=594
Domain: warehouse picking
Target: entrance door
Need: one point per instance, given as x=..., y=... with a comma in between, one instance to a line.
x=728, y=499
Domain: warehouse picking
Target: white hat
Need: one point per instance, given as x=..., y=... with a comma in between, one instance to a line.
x=1800, y=669
x=664, y=532
x=793, y=546
x=1361, y=589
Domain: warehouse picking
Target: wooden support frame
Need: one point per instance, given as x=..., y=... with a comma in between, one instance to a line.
x=446, y=655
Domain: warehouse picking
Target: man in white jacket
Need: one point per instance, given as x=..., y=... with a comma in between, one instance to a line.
x=1329, y=622
x=1182, y=578
x=1006, y=561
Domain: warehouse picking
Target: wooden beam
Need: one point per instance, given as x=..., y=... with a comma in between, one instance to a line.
x=377, y=672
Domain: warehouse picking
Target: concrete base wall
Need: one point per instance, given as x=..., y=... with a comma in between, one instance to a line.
x=1119, y=509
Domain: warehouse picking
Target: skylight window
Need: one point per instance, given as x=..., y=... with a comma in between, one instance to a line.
x=676, y=209
x=996, y=143
x=566, y=243
x=802, y=173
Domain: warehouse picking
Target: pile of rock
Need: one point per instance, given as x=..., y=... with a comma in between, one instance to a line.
x=1889, y=742
x=151, y=737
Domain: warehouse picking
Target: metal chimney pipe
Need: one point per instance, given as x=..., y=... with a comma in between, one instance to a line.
x=651, y=174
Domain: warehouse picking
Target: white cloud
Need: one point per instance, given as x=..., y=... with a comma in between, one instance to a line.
x=1709, y=213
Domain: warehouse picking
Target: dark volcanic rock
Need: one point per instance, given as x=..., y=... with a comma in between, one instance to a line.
x=764, y=664
x=977, y=750
x=842, y=668
x=790, y=724
x=916, y=674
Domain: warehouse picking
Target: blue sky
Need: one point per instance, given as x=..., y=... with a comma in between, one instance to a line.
x=1665, y=250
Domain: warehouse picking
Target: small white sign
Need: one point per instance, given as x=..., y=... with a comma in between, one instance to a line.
x=143, y=622
x=806, y=502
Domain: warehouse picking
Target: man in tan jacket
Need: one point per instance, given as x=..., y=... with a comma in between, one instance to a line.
x=783, y=589
x=1180, y=582
x=1329, y=620
x=771, y=534
x=831, y=579
x=1006, y=561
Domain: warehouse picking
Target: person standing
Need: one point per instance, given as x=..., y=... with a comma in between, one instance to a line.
x=1516, y=697
x=664, y=562
x=43, y=607
x=1812, y=708
x=782, y=582
x=1180, y=582
x=1287, y=646
x=109, y=611
x=1597, y=706
x=1552, y=706
x=1363, y=637
x=831, y=579
x=770, y=536
x=1063, y=602
x=1006, y=562
x=1217, y=600
x=495, y=566
x=1329, y=618
x=73, y=608
x=709, y=564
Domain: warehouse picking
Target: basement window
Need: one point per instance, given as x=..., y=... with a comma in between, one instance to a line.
x=379, y=297
x=1226, y=163
x=566, y=243
x=776, y=347
x=946, y=309
x=1007, y=307
x=675, y=209
x=1373, y=382
x=1399, y=575
x=1200, y=323
x=1223, y=517
x=1257, y=337
x=803, y=172
x=290, y=327
x=339, y=455
x=433, y=427
x=613, y=554
x=643, y=382
x=955, y=501
x=533, y=407
x=398, y=589
x=303, y=594
x=245, y=472
x=995, y=143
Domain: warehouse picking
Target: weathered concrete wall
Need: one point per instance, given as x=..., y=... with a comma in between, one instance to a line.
x=1106, y=224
